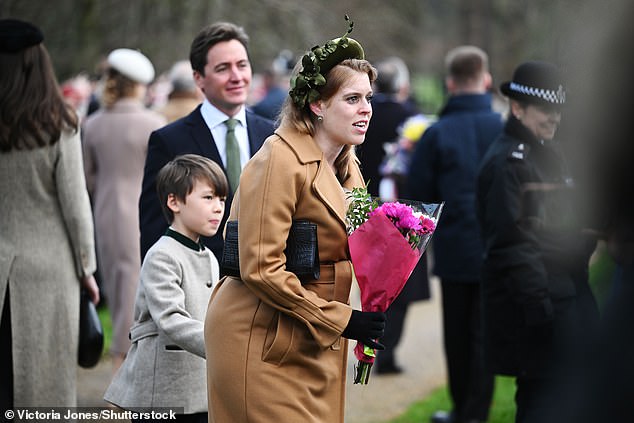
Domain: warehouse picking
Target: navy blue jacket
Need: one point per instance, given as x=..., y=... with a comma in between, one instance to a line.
x=444, y=168
x=184, y=136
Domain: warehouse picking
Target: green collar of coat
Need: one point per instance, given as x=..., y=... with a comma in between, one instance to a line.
x=186, y=241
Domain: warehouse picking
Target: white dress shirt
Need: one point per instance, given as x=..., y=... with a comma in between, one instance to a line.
x=215, y=120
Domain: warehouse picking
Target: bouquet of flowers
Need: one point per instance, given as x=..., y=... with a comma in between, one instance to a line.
x=398, y=153
x=386, y=240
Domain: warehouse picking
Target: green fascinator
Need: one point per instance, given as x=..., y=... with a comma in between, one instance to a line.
x=318, y=62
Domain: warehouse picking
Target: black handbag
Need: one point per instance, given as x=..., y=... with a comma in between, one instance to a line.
x=302, y=254
x=90, y=333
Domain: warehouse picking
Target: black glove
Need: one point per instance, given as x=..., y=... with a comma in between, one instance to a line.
x=366, y=327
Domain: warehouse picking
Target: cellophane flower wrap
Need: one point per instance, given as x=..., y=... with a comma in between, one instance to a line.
x=386, y=240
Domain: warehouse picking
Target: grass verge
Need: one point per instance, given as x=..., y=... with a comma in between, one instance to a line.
x=106, y=323
x=502, y=408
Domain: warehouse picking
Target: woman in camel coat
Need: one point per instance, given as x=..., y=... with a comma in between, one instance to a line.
x=274, y=344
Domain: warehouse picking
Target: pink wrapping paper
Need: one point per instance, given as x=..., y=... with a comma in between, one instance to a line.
x=383, y=261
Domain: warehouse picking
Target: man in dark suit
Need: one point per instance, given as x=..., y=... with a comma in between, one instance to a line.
x=222, y=71
x=444, y=168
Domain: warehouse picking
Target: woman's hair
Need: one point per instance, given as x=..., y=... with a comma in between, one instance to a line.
x=179, y=176
x=303, y=120
x=33, y=112
x=116, y=87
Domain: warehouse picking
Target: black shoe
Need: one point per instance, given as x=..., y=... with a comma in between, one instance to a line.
x=388, y=368
x=442, y=417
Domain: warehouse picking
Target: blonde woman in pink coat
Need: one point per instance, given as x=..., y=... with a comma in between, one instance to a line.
x=115, y=144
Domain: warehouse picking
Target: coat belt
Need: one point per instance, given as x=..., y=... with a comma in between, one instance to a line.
x=142, y=330
x=341, y=273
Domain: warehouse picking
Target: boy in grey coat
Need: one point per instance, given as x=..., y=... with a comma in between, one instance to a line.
x=165, y=366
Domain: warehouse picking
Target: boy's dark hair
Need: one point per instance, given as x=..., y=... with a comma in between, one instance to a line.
x=179, y=176
x=210, y=36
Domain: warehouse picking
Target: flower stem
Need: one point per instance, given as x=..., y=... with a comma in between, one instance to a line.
x=362, y=372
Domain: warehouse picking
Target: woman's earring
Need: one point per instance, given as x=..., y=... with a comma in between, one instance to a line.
x=320, y=118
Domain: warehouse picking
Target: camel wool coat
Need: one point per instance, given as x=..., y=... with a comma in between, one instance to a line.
x=274, y=346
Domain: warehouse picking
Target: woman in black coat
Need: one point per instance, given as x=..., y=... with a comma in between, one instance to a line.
x=538, y=304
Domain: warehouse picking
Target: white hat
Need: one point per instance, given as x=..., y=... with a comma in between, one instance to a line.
x=133, y=64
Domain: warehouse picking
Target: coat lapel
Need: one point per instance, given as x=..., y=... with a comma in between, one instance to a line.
x=330, y=192
x=325, y=185
x=256, y=131
x=202, y=136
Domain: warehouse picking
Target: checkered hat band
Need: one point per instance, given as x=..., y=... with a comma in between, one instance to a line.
x=552, y=96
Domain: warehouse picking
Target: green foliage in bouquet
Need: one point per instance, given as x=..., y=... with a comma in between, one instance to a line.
x=360, y=205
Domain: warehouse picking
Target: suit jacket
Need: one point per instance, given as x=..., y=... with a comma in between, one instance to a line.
x=184, y=136
x=165, y=365
x=274, y=346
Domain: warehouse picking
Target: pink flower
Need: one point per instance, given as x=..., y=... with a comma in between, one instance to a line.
x=427, y=225
x=401, y=215
x=385, y=244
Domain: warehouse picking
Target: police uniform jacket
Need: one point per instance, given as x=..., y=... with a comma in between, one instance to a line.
x=537, y=298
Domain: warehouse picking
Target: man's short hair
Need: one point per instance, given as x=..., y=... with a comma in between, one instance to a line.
x=392, y=76
x=179, y=176
x=181, y=77
x=210, y=36
x=466, y=63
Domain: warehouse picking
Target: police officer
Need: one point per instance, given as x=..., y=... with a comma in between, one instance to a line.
x=537, y=302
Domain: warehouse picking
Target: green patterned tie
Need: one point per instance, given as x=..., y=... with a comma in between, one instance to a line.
x=233, y=155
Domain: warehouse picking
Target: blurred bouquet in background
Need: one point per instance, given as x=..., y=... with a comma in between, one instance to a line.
x=386, y=240
x=398, y=154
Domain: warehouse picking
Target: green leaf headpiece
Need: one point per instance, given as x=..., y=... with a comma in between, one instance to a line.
x=318, y=62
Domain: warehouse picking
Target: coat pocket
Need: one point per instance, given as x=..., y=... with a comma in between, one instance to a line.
x=278, y=339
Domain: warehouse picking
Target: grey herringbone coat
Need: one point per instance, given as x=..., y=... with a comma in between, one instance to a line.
x=46, y=245
x=165, y=366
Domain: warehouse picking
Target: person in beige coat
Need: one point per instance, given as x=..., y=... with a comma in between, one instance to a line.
x=46, y=230
x=274, y=345
x=184, y=96
x=115, y=144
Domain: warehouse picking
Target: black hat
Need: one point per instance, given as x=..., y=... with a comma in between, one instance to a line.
x=537, y=83
x=16, y=35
